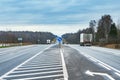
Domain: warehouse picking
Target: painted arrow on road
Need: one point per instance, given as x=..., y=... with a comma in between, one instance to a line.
x=100, y=74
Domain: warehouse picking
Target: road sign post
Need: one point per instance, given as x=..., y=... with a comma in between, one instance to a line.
x=59, y=39
x=20, y=40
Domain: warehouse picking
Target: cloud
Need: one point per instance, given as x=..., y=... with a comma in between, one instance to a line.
x=55, y=11
x=55, y=29
x=57, y=16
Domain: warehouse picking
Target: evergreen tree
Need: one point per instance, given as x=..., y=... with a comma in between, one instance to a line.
x=113, y=31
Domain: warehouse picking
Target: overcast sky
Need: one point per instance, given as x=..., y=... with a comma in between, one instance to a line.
x=56, y=16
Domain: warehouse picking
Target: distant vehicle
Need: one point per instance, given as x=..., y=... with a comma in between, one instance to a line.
x=48, y=41
x=85, y=39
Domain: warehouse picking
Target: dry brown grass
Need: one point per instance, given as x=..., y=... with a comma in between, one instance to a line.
x=114, y=46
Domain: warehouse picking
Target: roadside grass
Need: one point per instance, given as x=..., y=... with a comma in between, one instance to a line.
x=13, y=45
x=114, y=46
x=4, y=46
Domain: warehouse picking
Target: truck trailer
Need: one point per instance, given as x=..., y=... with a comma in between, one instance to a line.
x=85, y=39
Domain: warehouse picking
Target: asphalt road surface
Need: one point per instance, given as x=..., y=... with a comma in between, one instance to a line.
x=49, y=62
x=37, y=62
x=96, y=62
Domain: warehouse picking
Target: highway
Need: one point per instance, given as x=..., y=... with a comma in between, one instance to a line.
x=49, y=62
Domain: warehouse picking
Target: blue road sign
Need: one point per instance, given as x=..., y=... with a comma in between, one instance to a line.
x=59, y=39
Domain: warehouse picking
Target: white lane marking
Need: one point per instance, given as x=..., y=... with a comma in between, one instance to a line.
x=98, y=61
x=34, y=67
x=104, y=66
x=108, y=50
x=59, y=79
x=21, y=71
x=64, y=66
x=100, y=74
x=50, y=63
x=40, y=77
x=40, y=65
x=23, y=63
x=42, y=62
x=118, y=74
x=30, y=74
x=93, y=59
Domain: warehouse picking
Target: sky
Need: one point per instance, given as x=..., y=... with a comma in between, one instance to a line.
x=56, y=16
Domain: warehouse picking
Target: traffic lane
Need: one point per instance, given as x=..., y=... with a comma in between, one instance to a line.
x=108, y=58
x=105, y=57
x=11, y=55
x=7, y=49
x=77, y=65
x=81, y=68
x=15, y=53
x=8, y=64
x=15, y=49
x=111, y=51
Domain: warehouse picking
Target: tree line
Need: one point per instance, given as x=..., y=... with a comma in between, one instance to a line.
x=27, y=37
x=104, y=31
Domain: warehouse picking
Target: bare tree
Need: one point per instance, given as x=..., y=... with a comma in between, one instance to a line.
x=118, y=29
x=92, y=25
x=104, y=25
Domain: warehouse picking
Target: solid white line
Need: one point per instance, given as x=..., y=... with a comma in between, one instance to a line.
x=42, y=62
x=40, y=77
x=110, y=67
x=20, y=71
x=104, y=66
x=30, y=74
x=98, y=61
x=117, y=74
x=23, y=63
x=114, y=52
x=59, y=79
x=37, y=64
x=40, y=65
x=92, y=59
x=64, y=66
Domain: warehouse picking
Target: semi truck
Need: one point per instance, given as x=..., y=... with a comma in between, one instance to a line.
x=85, y=39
